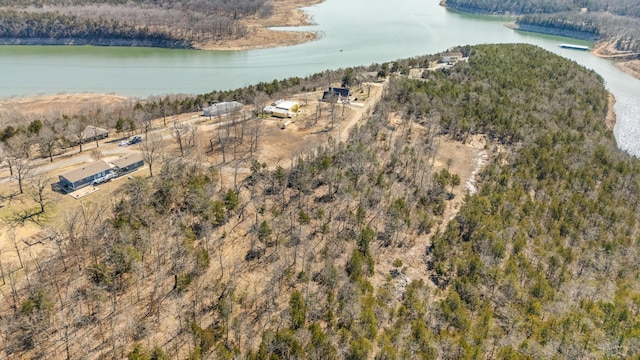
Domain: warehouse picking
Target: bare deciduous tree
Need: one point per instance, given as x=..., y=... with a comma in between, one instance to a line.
x=180, y=133
x=256, y=131
x=37, y=186
x=77, y=129
x=259, y=102
x=47, y=142
x=22, y=167
x=222, y=138
x=151, y=150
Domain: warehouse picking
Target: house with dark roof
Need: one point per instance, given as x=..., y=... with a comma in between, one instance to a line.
x=97, y=171
x=337, y=93
x=127, y=164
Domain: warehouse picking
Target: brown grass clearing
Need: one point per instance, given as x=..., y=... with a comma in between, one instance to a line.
x=60, y=104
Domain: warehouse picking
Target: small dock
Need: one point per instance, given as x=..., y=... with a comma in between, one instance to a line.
x=574, y=47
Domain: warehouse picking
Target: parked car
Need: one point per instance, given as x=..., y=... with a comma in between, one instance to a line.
x=123, y=143
x=104, y=179
x=136, y=139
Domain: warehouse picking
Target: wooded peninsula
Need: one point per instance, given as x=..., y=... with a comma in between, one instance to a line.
x=612, y=21
x=217, y=24
x=354, y=249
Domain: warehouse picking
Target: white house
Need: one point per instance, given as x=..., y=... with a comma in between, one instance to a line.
x=450, y=57
x=282, y=109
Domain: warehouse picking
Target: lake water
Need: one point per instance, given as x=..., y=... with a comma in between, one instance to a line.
x=355, y=32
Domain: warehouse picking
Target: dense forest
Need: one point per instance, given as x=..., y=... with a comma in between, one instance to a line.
x=159, y=23
x=314, y=258
x=617, y=21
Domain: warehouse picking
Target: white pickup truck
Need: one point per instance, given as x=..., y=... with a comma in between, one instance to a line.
x=103, y=179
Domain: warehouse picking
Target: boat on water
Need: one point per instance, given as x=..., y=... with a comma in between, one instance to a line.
x=574, y=47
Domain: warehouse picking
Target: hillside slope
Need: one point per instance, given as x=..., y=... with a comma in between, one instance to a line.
x=342, y=251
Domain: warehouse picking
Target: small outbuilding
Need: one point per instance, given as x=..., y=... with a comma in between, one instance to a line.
x=338, y=94
x=127, y=164
x=222, y=108
x=86, y=175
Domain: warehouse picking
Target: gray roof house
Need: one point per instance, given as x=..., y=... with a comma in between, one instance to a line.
x=128, y=163
x=90, y=133
x=84, y=176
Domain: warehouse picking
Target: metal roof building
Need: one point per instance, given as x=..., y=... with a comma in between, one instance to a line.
x=221, y=108
x=282, y=108
x=128, y=163
x=85, y=175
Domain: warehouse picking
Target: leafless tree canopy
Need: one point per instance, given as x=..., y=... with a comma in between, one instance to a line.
x=617, y=21
x=162, y=23
x=346, y=250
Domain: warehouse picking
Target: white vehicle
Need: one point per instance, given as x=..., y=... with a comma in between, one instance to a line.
x=123, y=143
x=103, y=179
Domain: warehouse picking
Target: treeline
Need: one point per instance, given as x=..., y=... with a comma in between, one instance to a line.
x=518, y=7
x=16, y=25
x=311, y=259
x=235, y=8
x=617, y=7
x=512, y=7
x=589, y=26
x=162, y=24
x=607, y=20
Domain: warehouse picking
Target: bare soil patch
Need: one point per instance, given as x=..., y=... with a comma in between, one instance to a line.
x=463, y=159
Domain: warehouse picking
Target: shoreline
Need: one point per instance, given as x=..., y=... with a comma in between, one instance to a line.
x=606, y=50
x=627, y=62
x=288, y=13
x=631, y=67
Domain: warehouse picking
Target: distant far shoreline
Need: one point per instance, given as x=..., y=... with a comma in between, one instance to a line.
x=626, y=61
x=164, y=44
x=260, y=35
